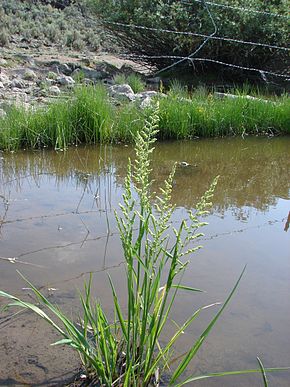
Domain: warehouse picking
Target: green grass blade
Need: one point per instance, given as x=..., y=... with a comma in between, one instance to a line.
x=182, y=366
x=263, y=371
x=184, y=287
x=229, y=373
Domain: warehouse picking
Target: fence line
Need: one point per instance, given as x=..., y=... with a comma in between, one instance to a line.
x=212, y=36
x=249, y=10
x=153, y=29
x=261, y=71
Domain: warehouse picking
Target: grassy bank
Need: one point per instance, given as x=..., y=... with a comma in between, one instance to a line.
x=90, y=117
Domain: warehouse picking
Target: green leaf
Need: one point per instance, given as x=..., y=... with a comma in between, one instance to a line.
x=228, y=373
x=63, y=341
x=192, y=352
x=263, y=372
x=184, y=287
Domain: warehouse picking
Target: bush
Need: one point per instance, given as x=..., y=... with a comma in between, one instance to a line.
x=193, y=17
x=4, y=37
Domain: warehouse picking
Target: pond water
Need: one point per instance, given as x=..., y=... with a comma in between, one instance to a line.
x=57, y=225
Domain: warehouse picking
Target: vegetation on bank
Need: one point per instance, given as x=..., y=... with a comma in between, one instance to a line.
x=49, y=23
x=130, y=351
x=198, y=17
x=89, y=117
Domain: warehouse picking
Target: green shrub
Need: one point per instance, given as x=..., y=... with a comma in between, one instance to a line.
x=192, y=17
x=4, y=37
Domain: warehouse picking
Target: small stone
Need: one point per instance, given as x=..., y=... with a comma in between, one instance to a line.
x=54, y=90
x=1, y=85
x=65, y=80
x=4, y=78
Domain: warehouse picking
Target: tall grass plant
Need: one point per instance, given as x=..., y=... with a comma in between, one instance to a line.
x=129, y=350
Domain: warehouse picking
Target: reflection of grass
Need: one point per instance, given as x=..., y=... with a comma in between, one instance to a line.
x=129, y=351
x=89, y=117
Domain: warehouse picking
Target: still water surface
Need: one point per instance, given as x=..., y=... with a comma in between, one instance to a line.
x=57, y=220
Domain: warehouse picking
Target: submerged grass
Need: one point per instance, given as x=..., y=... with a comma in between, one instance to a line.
x=129, y=351
x=90, y=117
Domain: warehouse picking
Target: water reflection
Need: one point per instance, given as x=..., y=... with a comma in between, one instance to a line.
x=254, y=172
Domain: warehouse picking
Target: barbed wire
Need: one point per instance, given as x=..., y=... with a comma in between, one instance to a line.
x=206, y=37
x=249, y=10
x=175, y=57
x=233, y=40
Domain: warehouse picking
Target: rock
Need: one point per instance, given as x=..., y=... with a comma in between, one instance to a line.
x=147, y=102
x=18, y=83
x=107, y=69
x=1, y=85
x=146, y=94
x=86, y=73
x=54, y=90
x=233, y=96
x=61, y=68
x=122, y=92
x=4, y=78
x=146, y=97
x=65, y=81
x=29, y=75
x=3, y=62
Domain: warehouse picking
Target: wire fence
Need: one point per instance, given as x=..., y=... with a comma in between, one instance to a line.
x=247, y=10
x=191, y=58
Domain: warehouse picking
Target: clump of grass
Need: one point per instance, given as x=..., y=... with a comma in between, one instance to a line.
x=133, y=80
x=128, y=351
x=85, y=118
x=88, y=116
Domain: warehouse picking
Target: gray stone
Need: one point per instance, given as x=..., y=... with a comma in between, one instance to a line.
x=18, y=84
x=107, y=70
x=4, y=78
x=234, y=96
x=1, y=85
x=122, y=92
x=65, y=80
x=146, y=94
x=88, y=73
x=145, y=103
x=54, y=90
x=62, y=68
